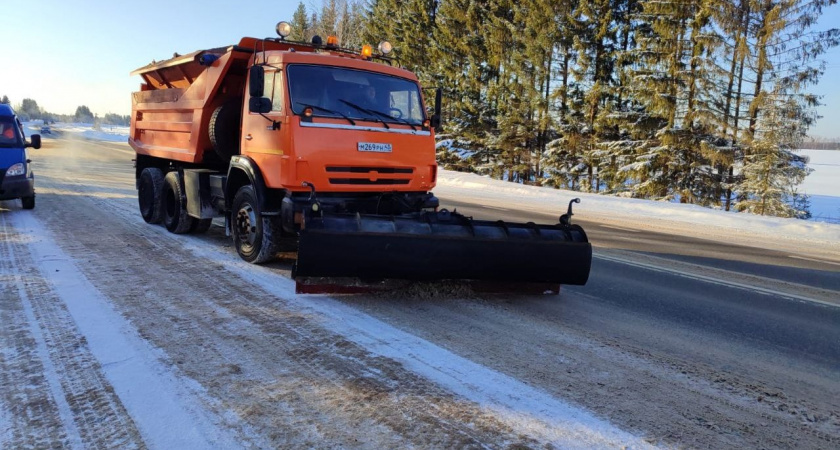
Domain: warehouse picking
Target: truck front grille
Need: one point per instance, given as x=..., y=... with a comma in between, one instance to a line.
x=365, y=181
x=364, y=175
x=355, y=169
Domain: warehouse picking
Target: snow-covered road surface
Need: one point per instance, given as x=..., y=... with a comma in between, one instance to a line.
x=123, y=335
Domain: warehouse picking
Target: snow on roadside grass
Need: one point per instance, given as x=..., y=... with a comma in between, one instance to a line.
x=823, y=184
x=163, y=404
x=109, y=133
x=487, y=191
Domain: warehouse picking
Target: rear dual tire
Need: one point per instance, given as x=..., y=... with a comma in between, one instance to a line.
x=161, y=199
x=200, y=226
x=150, y=193
x=175, y=217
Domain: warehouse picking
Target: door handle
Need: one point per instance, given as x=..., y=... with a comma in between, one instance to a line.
x=248, y=137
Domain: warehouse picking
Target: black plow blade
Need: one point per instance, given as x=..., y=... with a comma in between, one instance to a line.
x=442, y=246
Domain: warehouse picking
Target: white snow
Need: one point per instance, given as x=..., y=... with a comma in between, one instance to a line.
x=525, y=409
x=52, y=379
x=823, y=184
x=487, y=191
x=165, y=406
x=825, y=180
x=110, y=133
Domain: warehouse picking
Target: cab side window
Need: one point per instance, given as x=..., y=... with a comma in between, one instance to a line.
x=277, y=99
x=273, y=90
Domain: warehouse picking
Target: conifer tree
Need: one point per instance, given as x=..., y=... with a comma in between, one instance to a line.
x=461, y=67
x=302, y=28
x=771, y=168
x=660, y=99
x=408, y=25
x=786, y=62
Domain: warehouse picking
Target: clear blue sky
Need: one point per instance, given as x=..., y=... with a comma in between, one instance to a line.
x=69, y=53
x=64, y=53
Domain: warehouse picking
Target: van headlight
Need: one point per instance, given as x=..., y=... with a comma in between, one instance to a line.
x=15, y=170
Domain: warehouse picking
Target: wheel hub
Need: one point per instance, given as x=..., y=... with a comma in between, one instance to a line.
x=245, y=225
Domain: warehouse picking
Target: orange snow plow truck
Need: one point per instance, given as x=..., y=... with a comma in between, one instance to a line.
x=330, y=152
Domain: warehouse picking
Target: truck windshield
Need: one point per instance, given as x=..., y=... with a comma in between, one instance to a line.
x=339, y=92
x=9, y=133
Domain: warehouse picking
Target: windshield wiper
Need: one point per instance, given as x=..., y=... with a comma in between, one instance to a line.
x=398, y=119
x=364, y=110
x=328, y=111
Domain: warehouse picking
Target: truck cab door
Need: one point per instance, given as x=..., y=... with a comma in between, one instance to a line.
x=265, y=136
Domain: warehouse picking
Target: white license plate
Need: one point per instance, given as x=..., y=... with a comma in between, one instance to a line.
x=374, y=147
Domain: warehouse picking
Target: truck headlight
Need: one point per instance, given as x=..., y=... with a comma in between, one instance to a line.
x=15, y=170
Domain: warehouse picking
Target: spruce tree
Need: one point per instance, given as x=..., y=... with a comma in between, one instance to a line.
x=301, y=27
x=461, y=69
x=771, y=168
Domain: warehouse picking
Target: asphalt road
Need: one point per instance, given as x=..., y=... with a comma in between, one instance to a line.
x=799, y=328
x=688, y=341
x=724, y=254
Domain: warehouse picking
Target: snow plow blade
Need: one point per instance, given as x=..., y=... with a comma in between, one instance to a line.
x=443, y=245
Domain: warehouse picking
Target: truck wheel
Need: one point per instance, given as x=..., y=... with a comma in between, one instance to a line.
x=224, y=128
x=175, y=216
x=253, y=235
x=149, y=194
x=200, y=226
x=28, y=202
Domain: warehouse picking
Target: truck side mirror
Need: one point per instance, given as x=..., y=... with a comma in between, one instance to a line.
x=256, y=81
x=35, y=141
x=259, y=105
x=436, y=120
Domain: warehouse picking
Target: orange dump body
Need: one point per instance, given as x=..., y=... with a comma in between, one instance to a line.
x=171, y=116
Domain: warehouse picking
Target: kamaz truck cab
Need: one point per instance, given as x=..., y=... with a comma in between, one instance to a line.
x=16, y=177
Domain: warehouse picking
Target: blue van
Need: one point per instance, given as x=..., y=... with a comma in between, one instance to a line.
x=16, y=178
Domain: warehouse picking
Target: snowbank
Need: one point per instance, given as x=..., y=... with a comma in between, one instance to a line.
x=486, y=191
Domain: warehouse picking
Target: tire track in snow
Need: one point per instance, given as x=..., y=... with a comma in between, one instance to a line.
x=321, y=374
x=149, y=405
x=29, y=414
x=276, y=369
x=88, y=409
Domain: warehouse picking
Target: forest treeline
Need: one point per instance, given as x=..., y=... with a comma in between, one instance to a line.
x=701, y=101
x=821, y=144
x=28, y=109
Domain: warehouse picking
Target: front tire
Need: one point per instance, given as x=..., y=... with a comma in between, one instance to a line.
x=28, y=202
x=150, y=195
x=175, y=216
x=254, y=236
